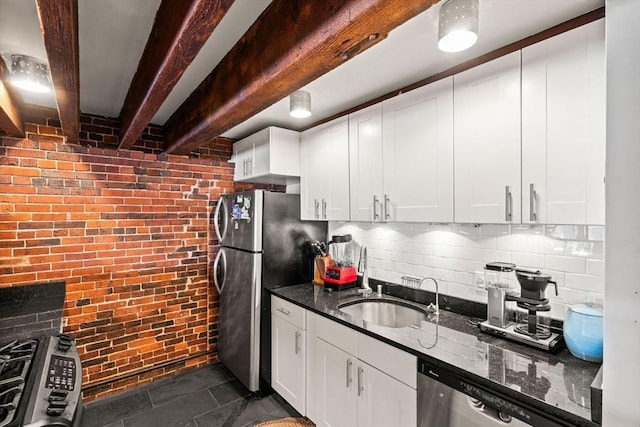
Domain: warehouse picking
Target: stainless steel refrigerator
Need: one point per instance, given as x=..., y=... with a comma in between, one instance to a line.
x=263, y=245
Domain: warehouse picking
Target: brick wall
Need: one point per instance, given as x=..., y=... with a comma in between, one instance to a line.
x=129, y=231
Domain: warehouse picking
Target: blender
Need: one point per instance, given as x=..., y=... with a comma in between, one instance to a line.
x=341, y=273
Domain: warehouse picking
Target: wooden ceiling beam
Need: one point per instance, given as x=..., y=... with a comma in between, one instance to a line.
x=10, y=118
x=291, y=44
x=59, y=25
x=179, y=31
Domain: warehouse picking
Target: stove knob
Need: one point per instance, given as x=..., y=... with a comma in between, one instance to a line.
x=57, y=395
x=64, y=342
x=56, y=408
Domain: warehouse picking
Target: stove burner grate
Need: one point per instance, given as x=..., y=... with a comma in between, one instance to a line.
x=15, y=359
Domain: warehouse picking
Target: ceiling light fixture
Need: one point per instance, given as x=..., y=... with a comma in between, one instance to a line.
x=457, y=25
x=300, y=104
x=29, y=74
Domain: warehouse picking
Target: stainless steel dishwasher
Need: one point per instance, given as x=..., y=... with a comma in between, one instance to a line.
x=446, y=400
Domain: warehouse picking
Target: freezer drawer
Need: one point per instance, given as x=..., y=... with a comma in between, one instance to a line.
x=237, y=276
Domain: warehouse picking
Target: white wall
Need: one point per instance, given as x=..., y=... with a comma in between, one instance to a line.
x=452, y=253
x=621, y=399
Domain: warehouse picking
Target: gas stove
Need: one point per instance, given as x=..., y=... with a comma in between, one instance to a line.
x=40, y=381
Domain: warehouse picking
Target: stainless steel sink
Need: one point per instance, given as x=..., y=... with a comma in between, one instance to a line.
x=389, y=313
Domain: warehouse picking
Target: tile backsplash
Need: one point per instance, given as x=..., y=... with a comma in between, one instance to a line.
x=456, y=254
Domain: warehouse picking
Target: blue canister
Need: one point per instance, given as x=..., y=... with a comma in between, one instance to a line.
x=583, y=331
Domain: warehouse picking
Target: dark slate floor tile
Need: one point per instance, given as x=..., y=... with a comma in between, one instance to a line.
x=245, y=411
x=112, y=409
x=177, y=412
x=190, y=382
x=229, y=391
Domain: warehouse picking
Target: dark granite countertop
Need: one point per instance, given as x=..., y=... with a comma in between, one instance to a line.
x=558, y=385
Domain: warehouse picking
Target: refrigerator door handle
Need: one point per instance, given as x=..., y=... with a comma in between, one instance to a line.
x=221, y=206
x=216, y=263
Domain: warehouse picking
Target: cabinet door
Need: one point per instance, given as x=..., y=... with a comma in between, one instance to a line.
x=312, y=168
x=288, y=362
x=335, y=170
x=242, y=155
x=487, y=142
x=335, y=382
x=365, y=164
x=384, y=401
x=418, y=154
x=563, y=128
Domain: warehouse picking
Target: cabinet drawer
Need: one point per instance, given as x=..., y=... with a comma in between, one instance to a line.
x=396, y=363
x=338, y=335
x=290, y=312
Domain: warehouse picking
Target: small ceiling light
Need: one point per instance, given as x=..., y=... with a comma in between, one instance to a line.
x=300, y=104
x=457, y=25
x=29, y=74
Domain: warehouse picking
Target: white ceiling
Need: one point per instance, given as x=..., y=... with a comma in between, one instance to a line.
x=113, y=33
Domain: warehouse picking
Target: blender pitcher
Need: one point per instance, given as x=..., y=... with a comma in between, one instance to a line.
x=341, y=274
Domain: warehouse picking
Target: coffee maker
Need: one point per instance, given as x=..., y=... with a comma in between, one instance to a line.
x=341, y=273
x=502, y=322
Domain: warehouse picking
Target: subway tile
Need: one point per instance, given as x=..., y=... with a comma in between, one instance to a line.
x=585, y=249
x=529, y=260
x=567, y=296
x=596, y=233
x=544, y=245
x=567, y=264
x=422, y=248
x=584, y=283
x=529, y=230
x=495, y=229
x=596, y=298
x=483, y=242
x=595, y=267
x=566, y=232
x=403, y=247
x=445, y=238
x=512, y=242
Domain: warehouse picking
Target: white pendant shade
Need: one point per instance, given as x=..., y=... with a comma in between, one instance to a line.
x=457, y=25
x=300, y=104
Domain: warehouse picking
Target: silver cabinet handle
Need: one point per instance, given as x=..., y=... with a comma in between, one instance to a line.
x=297, y=342
x=244, y=167
x=387, y=215
x=324, y=209
x=283, y=311
x=349, y=379
x=533, y=215
x=249, y=166
x=316, y=208
x=507, y=204
x=376, y=215
x=360, y=384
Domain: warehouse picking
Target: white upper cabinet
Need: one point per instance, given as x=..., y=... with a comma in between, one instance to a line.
x=563, y=128
x=324, y=172
x=271, y=156
x=418, y=154
x=401, y=157
x=365, y=164
x=487, y=142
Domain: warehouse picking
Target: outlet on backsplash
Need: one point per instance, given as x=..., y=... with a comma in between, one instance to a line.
x=478, y=279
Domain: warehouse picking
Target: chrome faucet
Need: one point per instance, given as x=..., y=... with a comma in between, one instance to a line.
x=432, y=307
x=362, y=268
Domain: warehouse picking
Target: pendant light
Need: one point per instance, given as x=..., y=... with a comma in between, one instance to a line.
x=457, y=25
x=300, y=104
x=29, y=74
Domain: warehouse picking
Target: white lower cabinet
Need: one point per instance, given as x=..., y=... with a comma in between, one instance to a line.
x=352, y=392
x=288, y=352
